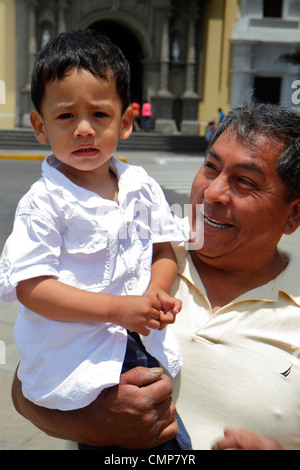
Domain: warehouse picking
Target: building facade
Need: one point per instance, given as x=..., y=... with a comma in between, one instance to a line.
x=8, y=85
x=188, y=57
x=265, y=31
x=159, y=37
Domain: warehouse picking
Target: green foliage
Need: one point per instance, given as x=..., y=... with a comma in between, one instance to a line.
x=293, y=58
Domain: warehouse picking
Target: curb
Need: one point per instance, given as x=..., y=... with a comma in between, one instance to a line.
x=14, y=156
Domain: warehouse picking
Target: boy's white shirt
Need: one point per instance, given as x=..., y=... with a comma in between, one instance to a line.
x=65, y=231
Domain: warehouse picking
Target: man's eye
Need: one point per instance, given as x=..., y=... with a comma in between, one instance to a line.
x=209, y=166
x=246, y=182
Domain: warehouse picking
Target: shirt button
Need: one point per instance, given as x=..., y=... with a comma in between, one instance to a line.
x=116, y=357
x=81, y=243
x=130, y=285
x=5, y=265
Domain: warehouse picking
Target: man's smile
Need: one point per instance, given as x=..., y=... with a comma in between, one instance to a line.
x=215, y=223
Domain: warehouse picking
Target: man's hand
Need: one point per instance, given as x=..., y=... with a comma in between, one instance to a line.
x=136, y=414
x=245, y=440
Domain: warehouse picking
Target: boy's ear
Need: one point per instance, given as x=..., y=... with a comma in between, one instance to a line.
x=37, y=123
x=126, y=124
x=293, y=220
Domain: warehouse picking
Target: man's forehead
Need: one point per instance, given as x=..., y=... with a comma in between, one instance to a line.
x=252, y=144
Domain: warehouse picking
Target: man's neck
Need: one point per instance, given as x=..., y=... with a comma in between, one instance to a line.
x=224, y=281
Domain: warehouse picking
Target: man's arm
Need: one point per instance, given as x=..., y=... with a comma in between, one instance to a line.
x=136, y=414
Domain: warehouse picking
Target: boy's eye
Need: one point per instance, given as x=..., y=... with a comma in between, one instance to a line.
x=100, y=114
x=65, y=116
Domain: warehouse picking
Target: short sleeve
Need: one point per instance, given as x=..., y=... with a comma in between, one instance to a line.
x=163, y=224
x=32, y=250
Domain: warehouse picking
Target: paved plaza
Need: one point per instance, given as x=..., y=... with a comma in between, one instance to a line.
x=174, y=172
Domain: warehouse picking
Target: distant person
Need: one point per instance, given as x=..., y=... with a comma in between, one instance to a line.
x=136, y=115
x=91, y=269
x=221, y=115
x=146, y=114
x=210, y=131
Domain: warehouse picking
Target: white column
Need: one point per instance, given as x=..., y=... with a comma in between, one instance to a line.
x=242, y=73
x=191, y=52
x=32, y=46
x=165, y=56
x=62, y=6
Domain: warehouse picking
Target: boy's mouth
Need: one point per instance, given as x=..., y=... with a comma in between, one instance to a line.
x=85, y=151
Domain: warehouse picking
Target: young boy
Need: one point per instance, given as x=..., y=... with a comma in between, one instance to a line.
x=89, y=258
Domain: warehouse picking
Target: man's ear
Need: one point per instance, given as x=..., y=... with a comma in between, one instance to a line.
x=126, y=124
x=37, y=123
x=293, y=220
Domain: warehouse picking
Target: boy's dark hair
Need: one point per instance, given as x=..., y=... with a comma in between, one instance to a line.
x=87, y=50
x=278, y=123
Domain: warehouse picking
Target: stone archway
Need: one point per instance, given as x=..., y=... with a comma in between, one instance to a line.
x=125, y=39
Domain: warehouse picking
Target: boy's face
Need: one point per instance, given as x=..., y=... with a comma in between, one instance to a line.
x=82, y=119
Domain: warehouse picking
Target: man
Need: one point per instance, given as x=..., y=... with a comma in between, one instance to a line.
x=239, y=329
x=240, y=325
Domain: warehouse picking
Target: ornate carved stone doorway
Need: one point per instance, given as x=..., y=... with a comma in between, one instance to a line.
x=132, y=49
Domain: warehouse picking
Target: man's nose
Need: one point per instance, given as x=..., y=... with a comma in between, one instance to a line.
x=218, y=191
x=84, y=128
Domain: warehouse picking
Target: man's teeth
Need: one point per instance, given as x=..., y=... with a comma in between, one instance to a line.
x=214, y=223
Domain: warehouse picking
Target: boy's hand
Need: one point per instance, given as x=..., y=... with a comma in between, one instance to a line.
x=169, y=308
x=138, y=313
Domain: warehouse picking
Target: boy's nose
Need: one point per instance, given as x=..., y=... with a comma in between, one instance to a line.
x=84, y=129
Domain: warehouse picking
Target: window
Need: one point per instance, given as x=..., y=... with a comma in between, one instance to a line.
x=273, y=8
x=267, y=89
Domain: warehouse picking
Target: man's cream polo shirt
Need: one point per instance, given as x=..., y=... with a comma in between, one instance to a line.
x=242, y=364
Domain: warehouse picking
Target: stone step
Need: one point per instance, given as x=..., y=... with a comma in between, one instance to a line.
x=24, y=139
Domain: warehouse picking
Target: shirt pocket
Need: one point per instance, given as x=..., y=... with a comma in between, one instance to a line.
x=84, y=241
x=85, y=259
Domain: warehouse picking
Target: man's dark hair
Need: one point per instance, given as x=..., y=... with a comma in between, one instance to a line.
x=278, y=123
x=87, y=50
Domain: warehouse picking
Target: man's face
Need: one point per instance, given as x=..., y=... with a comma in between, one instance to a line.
x=245, y=200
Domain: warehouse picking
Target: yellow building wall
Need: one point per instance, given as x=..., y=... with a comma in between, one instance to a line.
x=7, y=63
x=220, y=17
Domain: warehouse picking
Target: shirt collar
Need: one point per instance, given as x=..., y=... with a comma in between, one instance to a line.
x=287, y=281
x=71, y=192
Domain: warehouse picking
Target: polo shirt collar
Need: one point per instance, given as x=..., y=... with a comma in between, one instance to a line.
x=287, y=281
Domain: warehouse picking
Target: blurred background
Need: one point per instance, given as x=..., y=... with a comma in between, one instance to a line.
x=189, y=58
